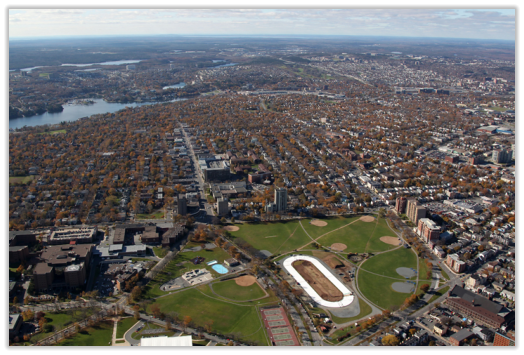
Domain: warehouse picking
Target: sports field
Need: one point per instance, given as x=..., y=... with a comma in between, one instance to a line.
x=227, y=317
x=360, y=237
x=386, y=263
x=229, y=289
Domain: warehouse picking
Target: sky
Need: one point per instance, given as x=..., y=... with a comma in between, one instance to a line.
x=279, y=19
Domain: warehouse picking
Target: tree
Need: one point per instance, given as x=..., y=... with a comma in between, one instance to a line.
x=390, y=340
x=232, y=219
x=412, y=331
x=168, y=325
x=424, y=288
x=15, y=300
x=136, y=293
x=187, y=321
x=155, y=309
x=27, y=315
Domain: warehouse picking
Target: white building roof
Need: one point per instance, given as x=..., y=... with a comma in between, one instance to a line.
x=185, y=340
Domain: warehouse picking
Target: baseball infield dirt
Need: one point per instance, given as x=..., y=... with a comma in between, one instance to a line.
x=246, y=280
x=318, y=223
x=231, y=228
x=390, y=240
x=338, y=246
x=318, y=281
x=367, y=218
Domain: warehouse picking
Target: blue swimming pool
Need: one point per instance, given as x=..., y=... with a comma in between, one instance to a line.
x=220, y=269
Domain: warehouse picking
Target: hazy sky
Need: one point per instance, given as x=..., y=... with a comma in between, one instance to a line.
x=453, y=23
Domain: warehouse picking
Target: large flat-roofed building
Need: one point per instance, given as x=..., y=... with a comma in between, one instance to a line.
x=128, y=229
x=455, y=263
x=173, y=234
x=15, y=322
x=214, y=168
x=18, y=254
x=63, y=266
x=78, y=235
x=181, y=203
x=229, y=189
x=222, y=207
x=507, y=339
x=21, y=238
x=478, y=308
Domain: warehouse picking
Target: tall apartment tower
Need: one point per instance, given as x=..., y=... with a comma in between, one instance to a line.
x=400, y=206
x=181, y=204
x=222, y=206
x=414, y=211
x=502, y=156
x=281, y=199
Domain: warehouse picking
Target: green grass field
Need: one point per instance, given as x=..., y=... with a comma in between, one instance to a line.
x=172, y=270
x=387, y=263
x=21, y=179
x=229, y=289
x=124, y=325
x=423, y=270
x=361, y=237
x=443, y=273
x=378, y=290
x=141, y=334
x=160, y=252
x=332, y=224
x=438, y=294
x=227, y=318
x=156, y=215
x=55, y=132
x=275, y=237
x=61, y=320
x=99, y=335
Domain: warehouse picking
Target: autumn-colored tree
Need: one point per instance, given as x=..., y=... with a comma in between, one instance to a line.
x=155, y=309
x=136, y=293
x=424, y=287
x=187, y=320
x=390, y=340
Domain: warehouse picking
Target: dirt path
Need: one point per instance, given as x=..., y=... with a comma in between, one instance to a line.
x=287, y=239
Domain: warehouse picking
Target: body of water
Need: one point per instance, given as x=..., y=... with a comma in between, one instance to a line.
x=74, y=112
x=225, y=65
x=218, y=60
x=176, y=86
x=116, y=62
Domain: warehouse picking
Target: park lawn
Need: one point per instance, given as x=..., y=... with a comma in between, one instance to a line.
x=423, y=270
x=227, y=318
x=332, y=224
x=160, y=252
x=21, y=179
x=354, y=236
x=438, y=294
x=377, y=289
x=381, y=230
x=229, y=289
x=387, y=263
x=98, y=335
x=156, y=215
x=365, y=309
x=55, y=132
x=124, y=325
x=443, y=273
x=172, y=270
x=279, y=241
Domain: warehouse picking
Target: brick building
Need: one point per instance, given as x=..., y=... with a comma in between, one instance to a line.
x=507, y=339
x=401, y=204
x=428, y=230
x=63, y=266
x=478, y=308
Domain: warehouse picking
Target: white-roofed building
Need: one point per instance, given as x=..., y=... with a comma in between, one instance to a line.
x=185, y=340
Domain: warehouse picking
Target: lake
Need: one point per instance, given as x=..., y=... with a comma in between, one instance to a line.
x=74, y=112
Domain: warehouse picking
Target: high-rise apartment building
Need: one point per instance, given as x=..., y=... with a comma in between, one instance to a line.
x=281, y=199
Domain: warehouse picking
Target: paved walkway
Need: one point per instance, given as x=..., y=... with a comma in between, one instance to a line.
x=114, y=341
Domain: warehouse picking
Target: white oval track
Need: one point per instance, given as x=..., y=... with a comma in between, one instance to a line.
x=347, y=294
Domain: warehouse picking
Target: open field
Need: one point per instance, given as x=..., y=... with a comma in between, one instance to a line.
x=54, y=132
x=231, y=290
x=172, y=270
x=160, y=252
x=423, y=270
x=21, y=179
x=285, y=236
x=378, y=290
x=98, y=335
x=227, y=318
x=124, y=325
x=62, y=320
x=156, y=215
x=387, y=263
x=332, y=224
x=318, y=281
